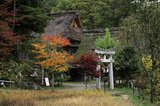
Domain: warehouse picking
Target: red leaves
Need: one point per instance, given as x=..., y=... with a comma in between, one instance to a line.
x=7, y=13
x=88, y=62
x=7, y=40
x=7, y=23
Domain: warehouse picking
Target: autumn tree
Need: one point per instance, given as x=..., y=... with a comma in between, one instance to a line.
x=7, y=36
x=51, y=55
x=19, y=18
x=88, y=63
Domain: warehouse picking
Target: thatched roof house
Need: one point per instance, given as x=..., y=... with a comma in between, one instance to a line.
x=69, y=25
x=66, y=23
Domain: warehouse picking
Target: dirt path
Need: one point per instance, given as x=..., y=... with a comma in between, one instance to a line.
x=79, y=86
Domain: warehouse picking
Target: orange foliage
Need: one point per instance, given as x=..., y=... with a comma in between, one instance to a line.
x=56, y=40
x=50, y=55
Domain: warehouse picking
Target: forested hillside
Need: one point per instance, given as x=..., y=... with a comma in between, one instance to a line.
x=137, y=43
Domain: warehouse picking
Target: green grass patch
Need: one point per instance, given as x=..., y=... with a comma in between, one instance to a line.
x=133, y=98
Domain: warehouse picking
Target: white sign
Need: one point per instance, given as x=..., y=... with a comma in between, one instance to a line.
x=47, y=82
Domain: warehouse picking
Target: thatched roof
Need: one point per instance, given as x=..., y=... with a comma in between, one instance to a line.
x=66, y=23
x=100, y=32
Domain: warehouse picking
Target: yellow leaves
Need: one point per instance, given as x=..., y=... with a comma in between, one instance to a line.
x=48, y=52
x=39, y=45
x=147, y=62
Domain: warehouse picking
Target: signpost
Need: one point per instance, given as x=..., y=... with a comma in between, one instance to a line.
x=47, y=82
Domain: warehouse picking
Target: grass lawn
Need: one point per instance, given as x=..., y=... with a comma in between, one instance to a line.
x=133, y=98
x=59, y=98
x=65, y=96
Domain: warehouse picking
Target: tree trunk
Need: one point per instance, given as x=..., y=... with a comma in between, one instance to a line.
x=85, y=79
x=152, y=89
x=42, y=76
x=14, y=14
x=61, y=79
x=52, y=82
x=153, y=78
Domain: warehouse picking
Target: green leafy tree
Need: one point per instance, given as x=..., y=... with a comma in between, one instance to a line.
x=144, y=36
x=98, y=13
x=6, y=70
x=91, y=11
x=105, y=43
x=126, y=63
x=48, y=4
x=33, y=16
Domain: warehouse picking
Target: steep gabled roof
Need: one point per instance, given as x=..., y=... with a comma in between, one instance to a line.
x=63, y=23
